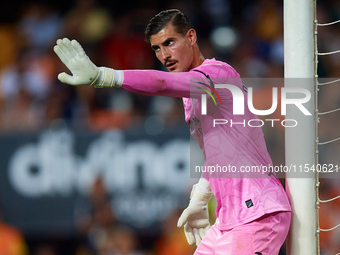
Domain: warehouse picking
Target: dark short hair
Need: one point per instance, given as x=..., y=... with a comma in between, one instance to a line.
x=174, y=17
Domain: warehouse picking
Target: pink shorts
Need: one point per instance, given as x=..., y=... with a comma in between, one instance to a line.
x=263, y=236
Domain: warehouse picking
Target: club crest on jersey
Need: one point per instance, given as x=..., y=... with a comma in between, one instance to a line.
x=204, y=96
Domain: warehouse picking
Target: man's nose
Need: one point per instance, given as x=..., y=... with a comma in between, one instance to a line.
x=165, y=54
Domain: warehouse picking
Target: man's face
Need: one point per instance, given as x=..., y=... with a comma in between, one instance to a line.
x=174, y=50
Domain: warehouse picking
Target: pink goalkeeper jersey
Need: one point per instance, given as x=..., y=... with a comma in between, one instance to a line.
x=241, y=196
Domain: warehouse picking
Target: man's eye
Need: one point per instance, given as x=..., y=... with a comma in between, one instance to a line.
x=170, y=43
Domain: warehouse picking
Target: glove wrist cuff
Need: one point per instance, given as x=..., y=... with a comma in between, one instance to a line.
x=198, y=196
x=109, y=78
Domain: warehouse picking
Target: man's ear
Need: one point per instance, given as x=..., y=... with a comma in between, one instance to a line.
x=191, y=35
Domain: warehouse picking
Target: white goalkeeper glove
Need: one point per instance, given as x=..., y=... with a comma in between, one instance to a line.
x=84, y=72
x=195, y=217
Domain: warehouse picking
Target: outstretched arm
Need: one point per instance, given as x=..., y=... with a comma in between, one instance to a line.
x=147, y=82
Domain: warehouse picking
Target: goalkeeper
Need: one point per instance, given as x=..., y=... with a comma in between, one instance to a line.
x=253, y=214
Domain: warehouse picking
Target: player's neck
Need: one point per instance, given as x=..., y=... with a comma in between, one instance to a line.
x=201, y=59
x=198, y=58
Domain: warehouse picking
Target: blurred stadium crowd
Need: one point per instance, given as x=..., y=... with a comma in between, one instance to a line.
x=246, y=34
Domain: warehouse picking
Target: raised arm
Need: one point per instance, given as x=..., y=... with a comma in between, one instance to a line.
x=153, y=82
x=147, y=82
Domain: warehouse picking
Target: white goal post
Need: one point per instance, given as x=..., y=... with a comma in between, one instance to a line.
x=300, y=141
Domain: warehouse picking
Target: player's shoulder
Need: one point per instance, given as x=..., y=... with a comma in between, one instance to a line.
x=216, y=68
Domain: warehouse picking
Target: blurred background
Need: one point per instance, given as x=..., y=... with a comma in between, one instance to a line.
x=87, y=171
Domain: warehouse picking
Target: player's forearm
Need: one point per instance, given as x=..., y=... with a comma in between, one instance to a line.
x=153, y=82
